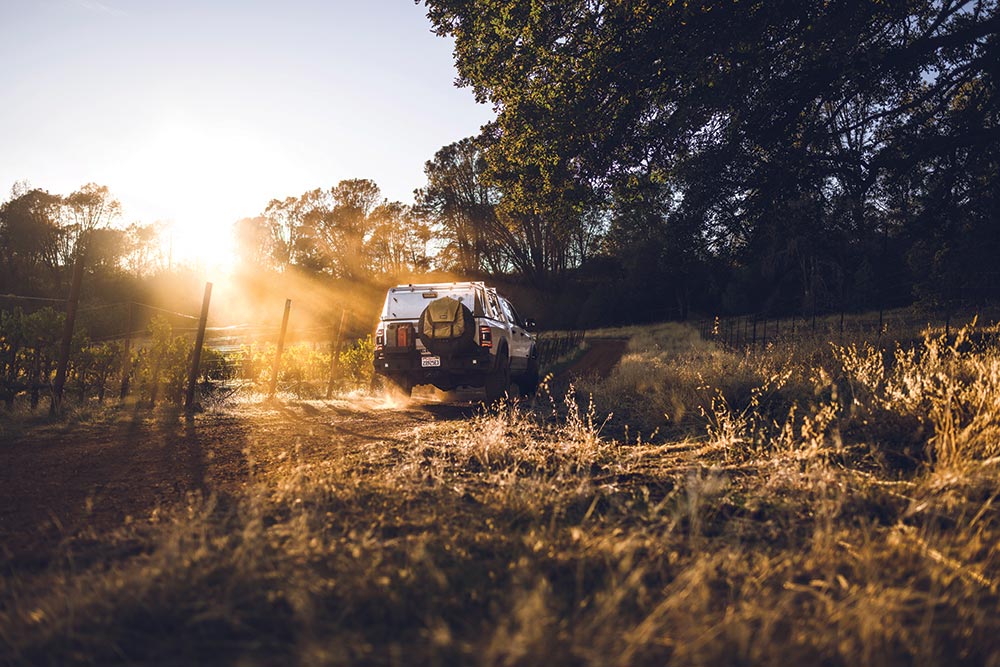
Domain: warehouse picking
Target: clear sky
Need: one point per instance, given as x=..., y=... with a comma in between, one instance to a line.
x=200, y=112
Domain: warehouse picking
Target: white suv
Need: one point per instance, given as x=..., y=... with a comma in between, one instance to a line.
x=452, y=335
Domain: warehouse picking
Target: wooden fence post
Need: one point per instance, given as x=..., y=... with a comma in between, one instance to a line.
x=71, y=307
x=281, y=346
x=199, y=341
x=335, y=354
x=127, y=354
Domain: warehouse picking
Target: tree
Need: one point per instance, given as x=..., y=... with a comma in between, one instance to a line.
x=144, y=250
x=324, y=231
x=107, y=249
x=462, y=208
x=28, y=236
x=306, y=233
x=90, y=208
x=283, y=221
x=953, y=198
x=398, y=241
x=354, y=200
x=496, y=217
x=728, y=100
x=257, y=243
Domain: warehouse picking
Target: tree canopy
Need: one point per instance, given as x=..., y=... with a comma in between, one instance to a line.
x=806, y=143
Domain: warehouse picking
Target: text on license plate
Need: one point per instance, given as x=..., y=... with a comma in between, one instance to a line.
x=430, y=362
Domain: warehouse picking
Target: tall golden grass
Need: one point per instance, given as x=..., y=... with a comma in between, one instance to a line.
x=827, y=504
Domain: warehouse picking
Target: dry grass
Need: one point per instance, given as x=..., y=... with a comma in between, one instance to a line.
x=833, y=505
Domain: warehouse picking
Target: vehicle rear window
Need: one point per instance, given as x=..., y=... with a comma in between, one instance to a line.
x=404, y=304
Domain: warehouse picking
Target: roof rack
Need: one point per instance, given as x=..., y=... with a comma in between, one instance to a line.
x=410, y=287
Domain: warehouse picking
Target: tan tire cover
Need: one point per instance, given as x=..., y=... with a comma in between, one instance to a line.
x=447, y=326
x=443, y=319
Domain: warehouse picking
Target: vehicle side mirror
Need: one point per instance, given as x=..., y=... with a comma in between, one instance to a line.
x=529, y=323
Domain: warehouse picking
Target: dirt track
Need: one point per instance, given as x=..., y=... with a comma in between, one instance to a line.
x=63, y=481
x=600, y=358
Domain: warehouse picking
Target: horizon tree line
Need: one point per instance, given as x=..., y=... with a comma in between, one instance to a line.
x=656, y=159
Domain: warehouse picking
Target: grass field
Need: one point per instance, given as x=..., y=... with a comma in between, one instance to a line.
x=817, y=504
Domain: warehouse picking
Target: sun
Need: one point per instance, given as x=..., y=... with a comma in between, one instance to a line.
x=200, y=177
x=202, y=244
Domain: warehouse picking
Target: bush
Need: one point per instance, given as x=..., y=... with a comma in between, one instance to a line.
x=29, y=347
x=356, y=369
x=95, y=366
x=162, y=366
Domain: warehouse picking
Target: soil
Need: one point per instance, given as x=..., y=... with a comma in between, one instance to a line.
x=599, y=359
x=62, y=482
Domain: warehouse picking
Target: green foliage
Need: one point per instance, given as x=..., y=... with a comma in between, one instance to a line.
x=94, y=366
x=161, y=367
x=355, y=363
x=216, y=365
x=305, y=370
x=799, y=141
x=29, y=237
x=305, y=367
x=29, y=350
x=344, y=231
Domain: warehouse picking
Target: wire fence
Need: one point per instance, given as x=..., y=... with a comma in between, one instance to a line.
x=755, y=332
x=150, y=364
x=153, y=363
x=149, y=358
x=556, y=345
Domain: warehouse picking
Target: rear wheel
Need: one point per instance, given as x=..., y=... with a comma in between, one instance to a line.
x=528, y=383
x=498, y=382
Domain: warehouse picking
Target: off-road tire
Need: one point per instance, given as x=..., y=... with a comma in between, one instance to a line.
x=528, y=382
x=498, y=383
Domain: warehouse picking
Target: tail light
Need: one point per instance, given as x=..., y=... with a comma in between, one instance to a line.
x=379, y=338
x=485, y=336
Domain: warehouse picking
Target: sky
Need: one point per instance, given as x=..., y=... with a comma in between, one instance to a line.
x=198, y=113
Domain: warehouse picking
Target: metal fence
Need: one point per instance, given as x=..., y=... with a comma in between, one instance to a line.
x=555, y=345
x=753, y=332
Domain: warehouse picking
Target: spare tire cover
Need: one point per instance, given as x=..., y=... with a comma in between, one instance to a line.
x=446, y=326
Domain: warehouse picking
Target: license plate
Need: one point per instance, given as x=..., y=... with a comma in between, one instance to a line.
x=430, y=362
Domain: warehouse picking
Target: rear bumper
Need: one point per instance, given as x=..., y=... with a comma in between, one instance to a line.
x=470, y=368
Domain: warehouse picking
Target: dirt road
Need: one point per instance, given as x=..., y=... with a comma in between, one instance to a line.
x=600, y=357
x=68, y=481
x=62, y=481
